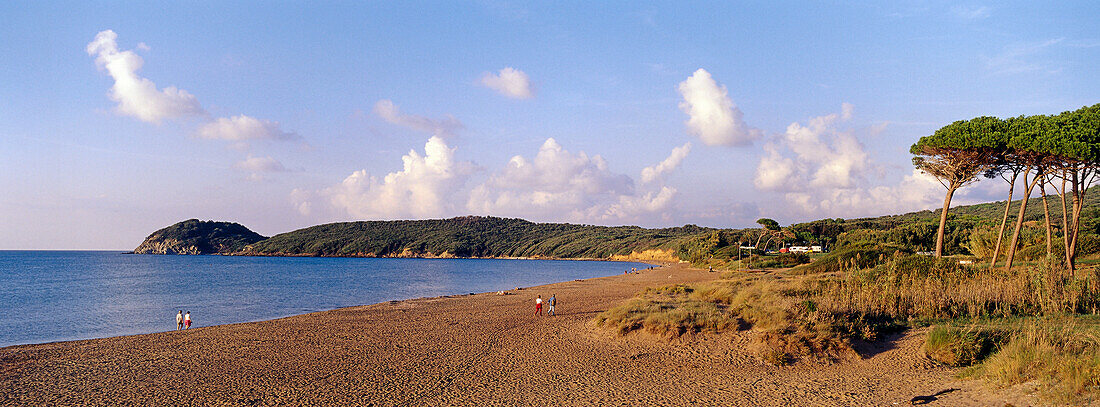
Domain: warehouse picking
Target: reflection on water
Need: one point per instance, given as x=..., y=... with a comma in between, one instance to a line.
x=51, y=295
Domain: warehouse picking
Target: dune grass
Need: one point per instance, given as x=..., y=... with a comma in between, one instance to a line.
x=961, y=346
x=1009, y=327
x=1061, y=354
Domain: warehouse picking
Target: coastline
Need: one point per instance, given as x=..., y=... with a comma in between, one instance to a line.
x=669, y=259
x=459, y=349
x=329, y=284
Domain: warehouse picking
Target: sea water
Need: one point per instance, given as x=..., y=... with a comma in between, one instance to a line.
x=48, y=296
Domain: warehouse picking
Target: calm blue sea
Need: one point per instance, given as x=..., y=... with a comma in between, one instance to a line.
x=48, y=296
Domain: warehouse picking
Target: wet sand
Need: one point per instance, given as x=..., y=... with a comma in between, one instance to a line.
x=471, y=349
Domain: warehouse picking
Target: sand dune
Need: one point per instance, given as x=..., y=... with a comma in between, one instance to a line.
x=462, y=350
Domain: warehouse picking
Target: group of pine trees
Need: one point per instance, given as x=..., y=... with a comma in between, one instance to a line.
x=1060, y=152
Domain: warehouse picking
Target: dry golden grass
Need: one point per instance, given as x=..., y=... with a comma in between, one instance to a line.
x=1059, y=353
x=963, y=346
x=785, y=328
x=795, y=317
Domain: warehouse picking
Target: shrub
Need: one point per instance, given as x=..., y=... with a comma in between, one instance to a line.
x=782, y=260
x=962, y=346
x=855, y=256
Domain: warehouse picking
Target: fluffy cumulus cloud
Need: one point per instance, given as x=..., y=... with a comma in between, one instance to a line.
x=822, y=169
x=712, y=116
x=559, y=185
x=649, y=174
x=446, y=127
x=137, y=96
x=509, y=82
x=817, y=154
x=140, y=98
x=243, y=128
x=554, y=185
x=423, y=188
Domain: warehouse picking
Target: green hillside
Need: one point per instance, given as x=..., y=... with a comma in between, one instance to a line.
x=474, y=236
x=471, y=236
x=194, y=236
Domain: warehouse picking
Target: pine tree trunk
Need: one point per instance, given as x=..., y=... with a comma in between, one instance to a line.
x=1004, y=221
x=1080, y=188
x=943, y=219
x=1046, y=216
x=1019, y=221
x=1065, y=226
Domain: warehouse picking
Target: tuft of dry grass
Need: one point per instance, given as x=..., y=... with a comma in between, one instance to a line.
x=785, y=328
x=1062, y=356
x=962, y=346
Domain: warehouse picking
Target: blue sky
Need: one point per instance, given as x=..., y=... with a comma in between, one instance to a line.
x=119, y=118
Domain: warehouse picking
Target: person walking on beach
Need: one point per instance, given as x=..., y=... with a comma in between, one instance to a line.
x=538, y=305
x=187, y=320
x=553, y=301
x=179, y=320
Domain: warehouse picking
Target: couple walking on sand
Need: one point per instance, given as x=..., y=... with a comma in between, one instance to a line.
x=183, y=321
x=551, y=302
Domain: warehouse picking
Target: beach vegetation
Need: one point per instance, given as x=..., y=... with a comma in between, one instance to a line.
x=982, y=318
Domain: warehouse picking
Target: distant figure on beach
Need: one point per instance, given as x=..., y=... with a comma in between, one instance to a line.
x=179, y=320
x=538, y=305
x=187, y=320
x=553, y=301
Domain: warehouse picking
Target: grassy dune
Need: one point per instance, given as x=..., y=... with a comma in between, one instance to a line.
x=1033, y=324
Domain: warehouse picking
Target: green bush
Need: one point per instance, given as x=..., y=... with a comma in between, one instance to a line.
x=853, y=256
x=782, y=260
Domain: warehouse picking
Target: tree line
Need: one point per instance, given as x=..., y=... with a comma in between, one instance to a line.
x=1060, y=152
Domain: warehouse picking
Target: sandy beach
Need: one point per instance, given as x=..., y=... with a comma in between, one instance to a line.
x=470, y=349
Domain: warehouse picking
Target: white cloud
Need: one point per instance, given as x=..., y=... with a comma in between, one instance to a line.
x=423, y=188
x=970, y=12
x=137, y=96
x=509, y=82
x=302, y=200
x=243, y=128
x=712, y=116
x=260, y=164
x=1022, y=58
x=916, y=191
x=822, y=170
x=632, y=207
x=558, y=185
x=824, y=156
x=555, y=185
x=649, y=174
x=257, y=166
x=389, y=112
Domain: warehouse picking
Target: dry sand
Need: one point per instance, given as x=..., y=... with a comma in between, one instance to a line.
x=465, y=350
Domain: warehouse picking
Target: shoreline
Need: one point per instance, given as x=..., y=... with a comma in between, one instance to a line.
x=463, y=349
x=654, y=264
x=621, y=259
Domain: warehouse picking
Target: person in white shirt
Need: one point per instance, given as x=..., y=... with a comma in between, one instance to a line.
x=179, y=320
x=538, y=305
x=187, y=320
